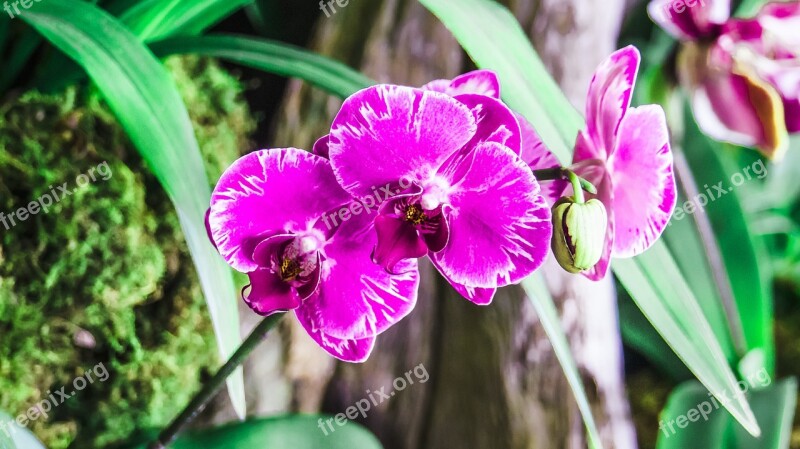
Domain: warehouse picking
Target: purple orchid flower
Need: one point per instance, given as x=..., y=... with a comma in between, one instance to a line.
x=266, y=221
x=744, y=74
x=470, y=203
x=625, y=153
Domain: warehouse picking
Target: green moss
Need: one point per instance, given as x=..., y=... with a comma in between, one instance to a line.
x=107, y=263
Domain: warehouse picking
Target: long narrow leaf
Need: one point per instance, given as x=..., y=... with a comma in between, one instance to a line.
x=655, y=284
x=155, y=19
x=146, y=102
x=493, y=38
x=273, y=57
x=542, y=301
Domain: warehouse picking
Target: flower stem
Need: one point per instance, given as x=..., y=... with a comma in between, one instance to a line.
x=212, y=387
x=578, y=184
x=577, y=188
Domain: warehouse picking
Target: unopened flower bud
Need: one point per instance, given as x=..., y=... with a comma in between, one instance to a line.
x=579, y=233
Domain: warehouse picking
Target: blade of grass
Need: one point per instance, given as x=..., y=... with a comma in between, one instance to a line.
x=146, y=102
x=542, y=301
x=493, y=38
x=274, y=57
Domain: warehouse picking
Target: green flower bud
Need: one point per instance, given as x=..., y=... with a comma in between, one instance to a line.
x=579, y=233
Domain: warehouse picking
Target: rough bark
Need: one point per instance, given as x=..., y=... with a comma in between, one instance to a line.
x=494, y=380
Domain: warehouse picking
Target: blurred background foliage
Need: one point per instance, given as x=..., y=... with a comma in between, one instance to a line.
x=105, y=276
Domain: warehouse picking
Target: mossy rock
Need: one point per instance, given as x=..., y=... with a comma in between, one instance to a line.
x=104, y=276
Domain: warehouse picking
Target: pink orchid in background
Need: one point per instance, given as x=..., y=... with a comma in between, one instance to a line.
x=625, y=153
x=743, y=74
x=473, y=205
x=265, y=221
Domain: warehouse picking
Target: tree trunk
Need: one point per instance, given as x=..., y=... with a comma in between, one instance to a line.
x=494, y=381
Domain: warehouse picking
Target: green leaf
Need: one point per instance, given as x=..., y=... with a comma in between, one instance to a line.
x=662, y=294
x=151, y=20
x=146, y=102
x=741, y=251
x=713, y=428
x=294, y=431
x=273, y=57
x=749, y=8
x=18, y=437
x=494, y=40
x=542, y=301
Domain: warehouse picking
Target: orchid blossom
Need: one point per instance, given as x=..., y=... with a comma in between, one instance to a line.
x=472, y=204
x=625, y=153
x=744, y=74
x=265, y=220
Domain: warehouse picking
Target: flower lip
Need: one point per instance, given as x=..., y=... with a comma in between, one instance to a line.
x=295, y=259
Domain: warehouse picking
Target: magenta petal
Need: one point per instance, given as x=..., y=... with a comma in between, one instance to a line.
x=436, y=233
x=481, y=82
x=496, y=122
x=538, y=157
x=357, y=298
x=321, y=147
x=269, y=293
x=643, y=182
x=609, y=97
x=686, y=22
x=476, y=295
x=385, y=134
x=347, y=350
x=499, y=226
x=722, y=108
x=268, y=192
x=208, y=229
x=268, y=250
x=397, y=240
x=311, y=281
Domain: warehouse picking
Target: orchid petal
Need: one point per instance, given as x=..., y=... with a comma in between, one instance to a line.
x=347, y=350
x=691, y=20
x=321, y=146
x=644, y=186
x=496, y=122
x=476, y=295
x=269, y=192
x=481, y=82
x=268, y=293
x=357, y=298
x=386, y=133
x=538, y=157
x=397, y=240
x=499, y=225
x=609, y=97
